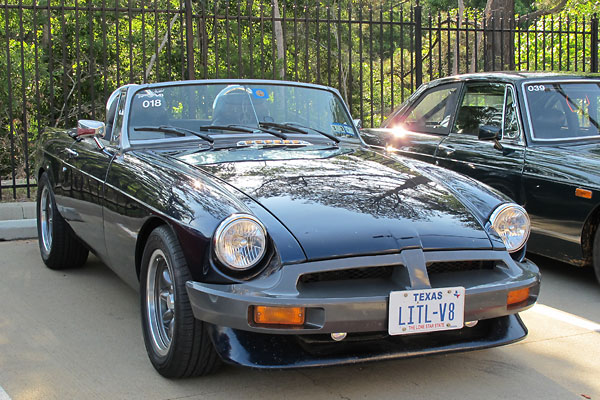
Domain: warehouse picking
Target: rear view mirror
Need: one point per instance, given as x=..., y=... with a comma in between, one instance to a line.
x=489, y=132
x=87, y=127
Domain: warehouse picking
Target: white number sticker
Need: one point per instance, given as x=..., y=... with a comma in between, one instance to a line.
x=536, y=88
x=151, y=103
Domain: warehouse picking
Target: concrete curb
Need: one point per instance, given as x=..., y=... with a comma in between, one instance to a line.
x=18, y=229
x=17, y=221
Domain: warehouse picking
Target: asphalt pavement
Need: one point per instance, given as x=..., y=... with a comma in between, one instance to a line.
x=76, y=335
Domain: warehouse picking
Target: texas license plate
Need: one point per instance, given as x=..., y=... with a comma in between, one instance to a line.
x=426, y=310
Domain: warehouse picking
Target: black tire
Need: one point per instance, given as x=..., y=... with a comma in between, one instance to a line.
x=59, y=247
x=596, y=254
x=178, y=344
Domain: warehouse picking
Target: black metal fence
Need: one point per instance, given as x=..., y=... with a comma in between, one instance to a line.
x=63, y=57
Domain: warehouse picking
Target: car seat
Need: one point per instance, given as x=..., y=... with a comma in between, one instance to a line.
x=234, y=108
x=548, y=117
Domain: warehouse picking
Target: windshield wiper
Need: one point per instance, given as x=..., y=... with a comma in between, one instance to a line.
x=243, y=128
x=294, y=127
x=175, y=130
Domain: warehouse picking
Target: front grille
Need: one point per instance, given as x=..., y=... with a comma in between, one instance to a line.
x=348, y=274
x=455, y=266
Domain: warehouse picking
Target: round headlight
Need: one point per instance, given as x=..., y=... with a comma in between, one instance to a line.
x=240, y=241
x=511, y=222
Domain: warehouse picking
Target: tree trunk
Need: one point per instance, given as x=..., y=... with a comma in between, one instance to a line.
x=278, y=38
x=461, y=12
x=499, y=35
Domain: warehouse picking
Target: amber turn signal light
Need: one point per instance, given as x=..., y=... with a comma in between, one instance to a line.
x=517, y=296
x=279, y=315
x=586, y=194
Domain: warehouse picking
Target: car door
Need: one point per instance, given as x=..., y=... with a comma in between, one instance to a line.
x=556, y=209
x=560, y=179
x=83, y=177
x=123, y=216
x=417, y=130
x=498, y=163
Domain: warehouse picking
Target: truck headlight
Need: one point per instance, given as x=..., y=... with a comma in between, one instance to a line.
x=511, y=223
x=240, y=241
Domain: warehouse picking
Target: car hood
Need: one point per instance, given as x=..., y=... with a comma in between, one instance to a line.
x=345, y=202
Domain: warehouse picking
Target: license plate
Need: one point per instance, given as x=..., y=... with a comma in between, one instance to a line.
x=426, y=310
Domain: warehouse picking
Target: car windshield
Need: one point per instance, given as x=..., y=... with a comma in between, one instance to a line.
x=261, y=107
x=564, y=110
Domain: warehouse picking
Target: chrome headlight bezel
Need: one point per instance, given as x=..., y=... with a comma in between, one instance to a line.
x=502, y=211
x=220, y=244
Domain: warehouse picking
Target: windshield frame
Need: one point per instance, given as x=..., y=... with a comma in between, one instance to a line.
x=528, y=113
x=126, y=144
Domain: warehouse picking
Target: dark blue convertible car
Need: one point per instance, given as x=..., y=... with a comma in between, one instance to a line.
x=260, y=230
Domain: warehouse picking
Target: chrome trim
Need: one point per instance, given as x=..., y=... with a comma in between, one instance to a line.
x=160, y=302
x=125, y=144
x=46, y=216
x=224, y=225
x=72, y=153
x=273, y=142
x=506, y=206
x=124, y=137
x=98, y=143
x=557, y=235
x=550, y=81
x=98, y=127
x=521, y=139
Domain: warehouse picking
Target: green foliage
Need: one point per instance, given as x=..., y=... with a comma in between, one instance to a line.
x=538, y=46
x=436, y=6
x=62, y=61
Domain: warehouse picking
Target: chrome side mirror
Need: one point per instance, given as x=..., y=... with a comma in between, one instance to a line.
x=87, y=127
x=357, y=123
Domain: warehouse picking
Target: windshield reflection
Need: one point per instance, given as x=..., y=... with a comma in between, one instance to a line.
x=361, y=183
x=192, y=106
x=564, y=111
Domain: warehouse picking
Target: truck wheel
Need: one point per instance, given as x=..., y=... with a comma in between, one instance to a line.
x=178, y=344
x=59, y=247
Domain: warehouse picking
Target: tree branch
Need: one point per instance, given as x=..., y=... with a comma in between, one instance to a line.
x=162, y=46
x=538, y=13
x=62, y=109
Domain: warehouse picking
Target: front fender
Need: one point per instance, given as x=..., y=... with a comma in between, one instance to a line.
x=193, y=204
x=478, y=197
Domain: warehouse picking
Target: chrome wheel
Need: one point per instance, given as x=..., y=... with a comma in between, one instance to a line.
x=160, y=302
x=46, y=220
x=177, y=343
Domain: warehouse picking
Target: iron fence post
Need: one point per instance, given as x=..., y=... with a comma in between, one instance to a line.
x=418, y=48
x=594, y=44
x=189, y=39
